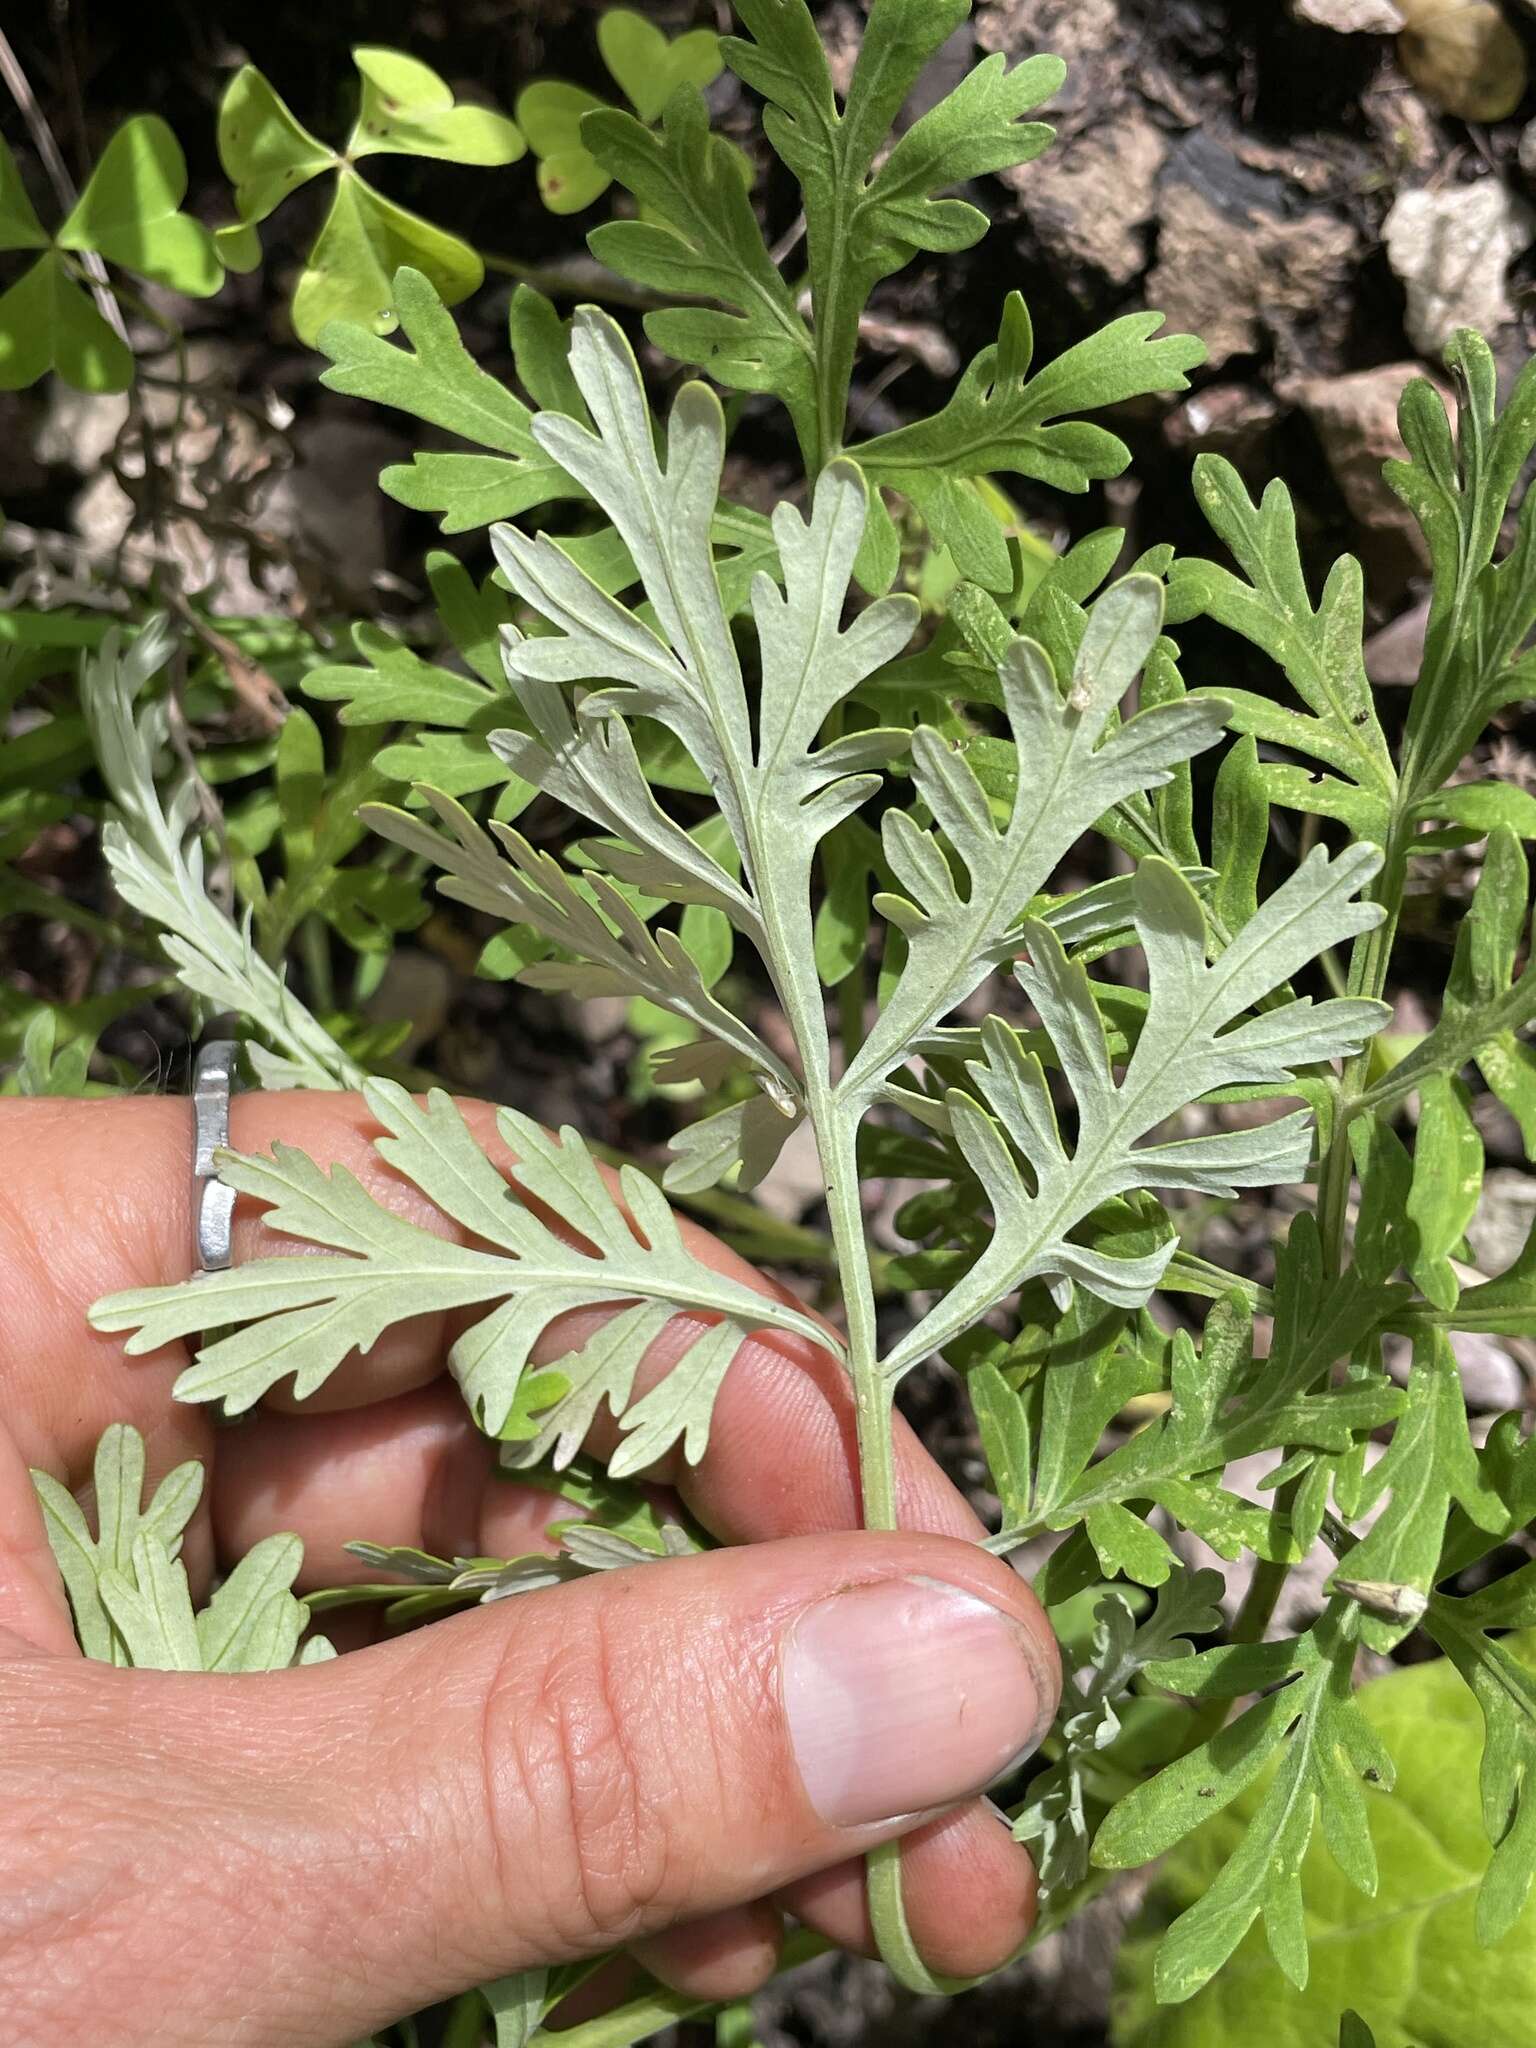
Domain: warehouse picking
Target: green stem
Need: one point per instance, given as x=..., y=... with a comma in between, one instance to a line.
x=639, y=2018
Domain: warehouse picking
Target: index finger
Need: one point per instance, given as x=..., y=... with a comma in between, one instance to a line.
x=97, y=1197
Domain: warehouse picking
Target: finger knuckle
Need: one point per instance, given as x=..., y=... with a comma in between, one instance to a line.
x=595, y=1800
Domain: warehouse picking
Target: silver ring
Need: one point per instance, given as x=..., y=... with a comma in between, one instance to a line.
x=213, y=1204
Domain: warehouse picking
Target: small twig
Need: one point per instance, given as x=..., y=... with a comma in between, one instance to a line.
x=51, y=158
x=257, y=691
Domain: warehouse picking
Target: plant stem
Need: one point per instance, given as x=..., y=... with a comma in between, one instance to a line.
x=639, y=2018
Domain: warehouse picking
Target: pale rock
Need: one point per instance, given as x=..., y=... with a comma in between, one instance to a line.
x=1356, y=420
x=1223, y=419
x=1451, y=249
x=1237, y=276
x=415, y=988
x=1091, y=196
x=1350, y=17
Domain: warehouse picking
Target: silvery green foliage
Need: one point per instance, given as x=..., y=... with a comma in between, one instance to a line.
x=128, y=1589
x=301, y=1317
x=926, y=794
x=153, y=846
x=1054, y=1819
x=1191, y=1043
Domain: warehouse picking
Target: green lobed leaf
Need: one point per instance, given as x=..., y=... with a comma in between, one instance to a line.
x=1320, y=1744
x=1405, y=1960
x=1318, y=651
x=999, y=417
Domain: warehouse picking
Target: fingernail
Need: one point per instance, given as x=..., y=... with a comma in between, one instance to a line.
x=905, y=1695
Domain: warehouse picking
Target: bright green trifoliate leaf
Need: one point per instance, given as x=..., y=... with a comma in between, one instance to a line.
x=130, y=214
x=266, y=152
x=1317, y=651
x=300, y=1317
x=20, y=227
x=550, y=114
x=363, y=241
x=49, y=322
x=1405, y=1961
x=405, y=110
x=648, y=67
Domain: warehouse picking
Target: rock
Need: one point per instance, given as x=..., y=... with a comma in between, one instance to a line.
x=331, y=502
x=1394, y=656
x=1465, y=56
x=1350, y=17
x=1088, y=35
x=1490, y=1378
x=1451, y=249
x=1356, y=421
x=1091, y=197
x=1238, y=276
x=1224, y=419
x=1505, y=1217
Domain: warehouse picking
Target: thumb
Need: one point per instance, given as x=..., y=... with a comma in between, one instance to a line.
x=527, y=1783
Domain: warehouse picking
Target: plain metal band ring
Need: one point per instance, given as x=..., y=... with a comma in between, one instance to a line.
x=213, y=1204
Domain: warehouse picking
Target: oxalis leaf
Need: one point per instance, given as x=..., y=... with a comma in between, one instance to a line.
x=299, y=1317
x=1190, y=1044
x=1404, y=1961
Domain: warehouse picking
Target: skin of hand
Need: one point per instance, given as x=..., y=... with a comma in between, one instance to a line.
x=665, y=1759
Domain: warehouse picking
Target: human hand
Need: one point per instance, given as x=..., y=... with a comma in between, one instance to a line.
x=664, y=1759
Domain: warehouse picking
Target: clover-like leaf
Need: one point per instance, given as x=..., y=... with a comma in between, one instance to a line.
x=407, y=110
x=49, y=322
x=364, y=238
x=130, y=212
x=647, y=65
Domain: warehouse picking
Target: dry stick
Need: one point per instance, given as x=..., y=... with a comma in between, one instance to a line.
x=53, y=163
